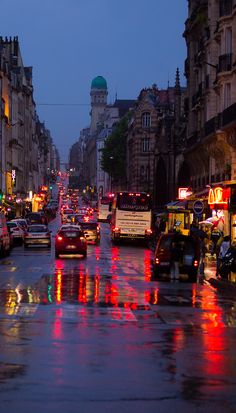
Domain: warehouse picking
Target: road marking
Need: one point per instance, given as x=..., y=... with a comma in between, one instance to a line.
x=80, y=314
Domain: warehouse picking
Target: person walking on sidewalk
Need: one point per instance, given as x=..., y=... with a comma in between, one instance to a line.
x=224, y=247
x=175, y=256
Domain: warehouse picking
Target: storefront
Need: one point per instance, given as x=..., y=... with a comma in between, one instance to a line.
x=218, y=201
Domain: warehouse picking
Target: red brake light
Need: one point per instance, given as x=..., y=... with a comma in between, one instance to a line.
x=157, y=261
x=195, y=264
x=59, y=238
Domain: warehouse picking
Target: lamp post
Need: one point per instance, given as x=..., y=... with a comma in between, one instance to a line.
x=111, y=159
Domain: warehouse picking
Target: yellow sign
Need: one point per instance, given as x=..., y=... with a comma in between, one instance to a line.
x=216, y=196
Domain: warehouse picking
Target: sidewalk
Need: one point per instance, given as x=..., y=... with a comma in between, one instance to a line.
x=228, y=286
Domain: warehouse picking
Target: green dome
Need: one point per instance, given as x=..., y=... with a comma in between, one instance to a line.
x=99, y=83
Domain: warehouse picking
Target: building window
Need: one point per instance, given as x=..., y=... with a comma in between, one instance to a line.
x=227, y=95
x=146, y=120
x=145, y=145
x=228, y=40
x=142, y=173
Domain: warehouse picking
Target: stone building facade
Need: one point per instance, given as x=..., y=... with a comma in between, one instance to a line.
x=25, y=144
x=151, y=145
x=210, y=145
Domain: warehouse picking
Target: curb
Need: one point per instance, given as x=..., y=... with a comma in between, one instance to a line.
x=223, y=285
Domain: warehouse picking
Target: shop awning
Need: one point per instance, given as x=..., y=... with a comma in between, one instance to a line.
x=177, y=204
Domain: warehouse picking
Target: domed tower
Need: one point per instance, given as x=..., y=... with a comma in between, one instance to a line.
x=98, y=95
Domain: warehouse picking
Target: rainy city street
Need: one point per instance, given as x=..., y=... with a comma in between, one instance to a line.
x=99, y=334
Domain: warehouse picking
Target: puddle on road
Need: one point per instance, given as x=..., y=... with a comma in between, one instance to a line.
x=9, y=371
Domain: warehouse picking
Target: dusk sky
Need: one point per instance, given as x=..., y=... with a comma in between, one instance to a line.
x=132, y=43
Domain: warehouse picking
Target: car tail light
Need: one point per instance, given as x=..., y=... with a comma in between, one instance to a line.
x=59, y=238
x=157, y=261
x=98, y=228
x=195, y=263
x=116, y=229
x=148, y=231
x=82, y=239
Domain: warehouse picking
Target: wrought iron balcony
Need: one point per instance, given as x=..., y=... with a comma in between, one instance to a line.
x=229, y=115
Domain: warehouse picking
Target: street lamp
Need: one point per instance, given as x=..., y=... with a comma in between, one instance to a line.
x=111, y=159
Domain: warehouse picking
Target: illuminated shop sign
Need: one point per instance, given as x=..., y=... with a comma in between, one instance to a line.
x=218, y=196
x=183, y=193
x=13, y=176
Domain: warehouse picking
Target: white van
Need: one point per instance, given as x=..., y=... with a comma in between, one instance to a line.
x=5, y=244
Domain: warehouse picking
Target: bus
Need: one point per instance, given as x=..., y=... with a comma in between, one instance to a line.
x=104, y=203
x=131, y=216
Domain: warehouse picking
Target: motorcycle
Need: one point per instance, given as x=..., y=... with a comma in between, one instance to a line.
x=228, y=263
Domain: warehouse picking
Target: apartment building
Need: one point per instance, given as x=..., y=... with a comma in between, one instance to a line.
x=210, y=68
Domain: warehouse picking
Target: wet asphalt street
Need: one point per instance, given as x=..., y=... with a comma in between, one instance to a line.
x=98, y=334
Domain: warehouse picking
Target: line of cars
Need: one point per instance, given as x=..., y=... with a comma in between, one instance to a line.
x=78, y=227
x=30, y=231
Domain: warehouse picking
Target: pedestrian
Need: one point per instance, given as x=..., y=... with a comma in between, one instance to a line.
x=224, y=247
x=175, y=257
x=215, y=235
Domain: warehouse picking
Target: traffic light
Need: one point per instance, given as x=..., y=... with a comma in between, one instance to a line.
x=50, y=187
x=1, y=196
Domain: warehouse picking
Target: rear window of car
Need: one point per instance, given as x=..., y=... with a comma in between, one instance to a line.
x=71, y=234
x=165, y=243
x=37, y=229
x=88, y=225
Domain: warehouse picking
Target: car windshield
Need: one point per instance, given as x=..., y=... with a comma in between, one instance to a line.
x=37, y=228
x=12, y=224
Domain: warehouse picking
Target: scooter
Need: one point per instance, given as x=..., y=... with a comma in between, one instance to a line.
x=228, y=264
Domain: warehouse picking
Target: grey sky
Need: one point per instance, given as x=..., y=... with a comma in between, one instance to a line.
x=132, y=43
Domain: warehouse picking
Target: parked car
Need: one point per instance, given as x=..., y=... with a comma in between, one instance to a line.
x=22, y=222
x=70, y=240
x=5, y=237
x=37, y=234
x=91, y=230
x=17, y=232
x=189, y=257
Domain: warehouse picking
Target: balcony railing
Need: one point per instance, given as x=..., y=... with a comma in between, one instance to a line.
x=225, y=7
x=210, y=126
x=225, y=63
x=229, y=115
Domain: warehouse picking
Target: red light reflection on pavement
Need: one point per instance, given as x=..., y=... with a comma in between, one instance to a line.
x=82, y=297
x=214, y=339
x=57, y=326
x=147, y=265
x=58, y=286
x=96, y=288
x=111, y=294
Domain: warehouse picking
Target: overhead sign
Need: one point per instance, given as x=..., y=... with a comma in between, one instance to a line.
x=183, y=193
x=198, y=207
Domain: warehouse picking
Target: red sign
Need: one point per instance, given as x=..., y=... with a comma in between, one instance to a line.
x=218, y=197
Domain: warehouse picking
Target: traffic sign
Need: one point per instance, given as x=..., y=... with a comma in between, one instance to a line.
x=198, y=207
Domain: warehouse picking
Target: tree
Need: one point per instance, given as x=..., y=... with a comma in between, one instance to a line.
x=113, y=160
